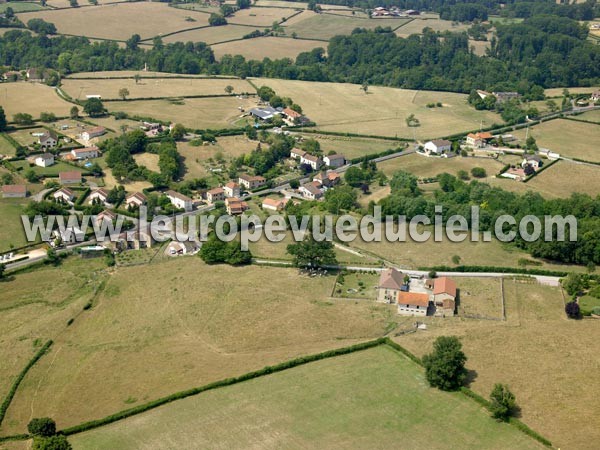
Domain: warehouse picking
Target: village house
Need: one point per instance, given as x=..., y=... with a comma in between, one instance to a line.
x=444, y=296
x=35, y=75
x=252, y=182
x=70, y=235
x=179, y=200
x=327, y=179
x=314, y=162
x=48, y=139
x=391, y=282
x=297, y=153
x=478, y=140
x=64, y=195
x=273, y=204
x=135, y=200
x=505, y=96
x=69, y=177
x=85, y=153
x=14, y=191
x=232, y=189
x=235, y=206
x=291, y=117
x=514, y=173
x=92, y=133
x=107, y=215
x=98, y=196
x=533, y=161
x=215, y=195
x=334, y=161
x=44, y=160
x=311, y=191
x=595, y=97
x=437, y=146
x=412, y=303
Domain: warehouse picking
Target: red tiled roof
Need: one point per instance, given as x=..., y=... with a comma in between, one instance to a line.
x=14, y=189
x=413, y=299
x=70, y=175
x=444, y=285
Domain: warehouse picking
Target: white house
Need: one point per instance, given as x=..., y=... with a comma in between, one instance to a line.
x=232, y=189
x=313, y=161
x=92, y=133
x=311, y=191
x=412, y=303
x=438, y=146
x=215, y=195
x=595, y=96
x=390, y=284
x=273, y=204
x=334, y=161
x=532, y=160
x=99, y=195
x=65, y=195
x=86, y=152
x=179, y=200
x=296, y=153
x=70, y=235
x=48, y=139
x=44, y=160
x=135, y=200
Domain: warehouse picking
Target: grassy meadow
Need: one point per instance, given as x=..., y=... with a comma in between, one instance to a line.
x=266, y=47
x=210, y=35
x=31, y=98
x=436, y=24
x=11, y=229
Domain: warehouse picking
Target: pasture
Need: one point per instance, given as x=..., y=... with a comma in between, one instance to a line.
x=210, y=35
x=53, y=170
x=11, y=229
x=148, y=335
x=480, y=297
x=26, y=136
x=344, y=107
x=266, y=47
x=332, y=403
x=196, y=113
x=351, y=147
x=19, y=7
x=558, y=92
x=567, y=137
x=31, y=98
x=592, y=116
x=539, y=353
x=147, y=19
x=436, y=24
x=325, y=26
x=259, y=17
x=6, y=148
x=156, y=87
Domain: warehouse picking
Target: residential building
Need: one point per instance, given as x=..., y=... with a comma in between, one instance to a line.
x=70, y=235
x=14, y=191
x=297, y=153
x=64, y=195
x=35, y=75
x=235, y=206
x=334, y=161
x=391, y=282
x=44, y=160
x=327, y=179
x=444, y=296
x=595, y=97
x=106, y=215
x=505, y=96
x=412, y=303
x=215, y=195
x=291, y=117
x=98, y=196
x=438, y=146
x=48, y=139
x=179, y=200
x=232, y=189
x=69, y=177
x=273, y=204
x=252, y=182
x=135, y=200
x=478, y=140
x=314, y=162
x=92, y=133
x=86, y=152
x=533, y=161
x=311, y=191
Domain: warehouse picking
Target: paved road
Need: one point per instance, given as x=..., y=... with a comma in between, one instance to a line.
x=40, y=195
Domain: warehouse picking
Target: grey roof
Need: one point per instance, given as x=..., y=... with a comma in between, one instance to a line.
x=265, y=113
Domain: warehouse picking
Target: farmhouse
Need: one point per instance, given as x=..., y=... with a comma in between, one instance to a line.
x=179, y=200
x=595, y=97
x=135, y=200
x=327, y=179
x=311, y=191
x=391, y=282
x=296, y=153
x=235, y=206
x=514, y=173
x=69, y=177
x=92, y=133
x=334, y=161
x=292, y=117
x=48, y=139
x=533, y=161
x=274, y=204
x=11, y=75
x=252, y=182
x=85, y=153
x=437, y=146
x=232, y=189
x=444, y=296
x=412, y=303
x=314, y=162
x=505, y=96
x=98, y=196
x=215, y=195
x=34, y=75
x=44, y=160
x=64, y=195
x=14, y=191
x=265, y=113
x=70, y=235
x=478, y=140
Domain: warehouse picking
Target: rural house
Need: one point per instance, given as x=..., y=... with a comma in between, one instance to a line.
x=215, y=195
x=478, y=140
x=48, y=139
x=533, y=161
x=274, y=204
x=14, y=191
x=92, y=133
x=135, y=200
x=502, y=97
x=391, y=282
x=235, y=206
x=314, y=162
x=106, y=215
x=232, y=189
x=291, y=117
x=595, y=97
x=179, y=200
x=69, y=177
x=311, y=191
x=334, y=161
x=35, y=75
x=98, y=196
x=252, y=182
x=44, y=160
x=85, y=153
x=412, y=303
x=438, y=146
x=265, y=113
x=297, y=153
x=444, y=296
x=327, y=179
x=64, y=195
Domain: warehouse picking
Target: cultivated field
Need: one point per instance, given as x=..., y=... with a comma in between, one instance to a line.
x=540, y=354
x=210, y=35
x=332, y=403
x=149, y=335
x=31, y=98
x=383, y=111
x=147, y=19
x=416, y=26
x=567, y=137
x=194, y=112
x=132, y=73
x=325, y=26
x=259, y=17
x=158, y=87
x=266, y=47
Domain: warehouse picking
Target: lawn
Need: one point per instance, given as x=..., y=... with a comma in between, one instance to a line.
x=11, y=228
x=156, y=87
x=25, y=137
x=352, y=147
x=416, y=26
x=6, y=148
x=266, y=47
x=567, y=137
x=345, y=107
x=53, y=170
x=333, y=403
x=31, y=98
x=211, y=35
x=171, y=325
x=194, y=113
x=259, y=17
x=147, y=19
x=19, y=6
x=588, y=302
x=540, y=354
x=357, y=285
x=592, y=116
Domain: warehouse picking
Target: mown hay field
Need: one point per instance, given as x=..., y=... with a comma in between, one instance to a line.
x=31, y=98
x=333, y=403
x=259, y=17
x=211, y=35
x=344, y=107
x=351, y=147
x=416, y=26
x=266, y=47
x=157, y=87
x=148, y=19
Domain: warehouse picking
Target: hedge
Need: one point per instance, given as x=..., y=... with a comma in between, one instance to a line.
x=82, y=197
x=492, y=269
x=402, y=350
x=369, y=136
x=16, y=437
x=371, y=156
x=119, y=99
x=537, y=172
x=13, y=389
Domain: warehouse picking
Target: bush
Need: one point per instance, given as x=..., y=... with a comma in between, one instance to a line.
x=57, y=442
x=43, y=426
x=572, y=309
x=478, y=172
x=503, y=402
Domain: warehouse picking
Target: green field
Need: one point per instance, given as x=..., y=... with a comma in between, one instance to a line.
x=352, y=147
x=416, y=26
x=21, y=6
x=6, y=148
x=334, y=403
x=210, y=35
x=53, y=170
x=11, y=229
x=269, y=46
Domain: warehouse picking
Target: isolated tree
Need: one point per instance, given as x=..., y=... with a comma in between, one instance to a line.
x=2, y=119
x=445, y=366
x=572, y=309
x=365, y=87
x=456, y=259
x=74, y=113
x=31, y=176
x=43, y=426
x=123, y=93
x=94, y=107
x=73, y=3
x=137, y=77
x=478, y=172
x=312, y=254
x=229, y=89
x=503, y=402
